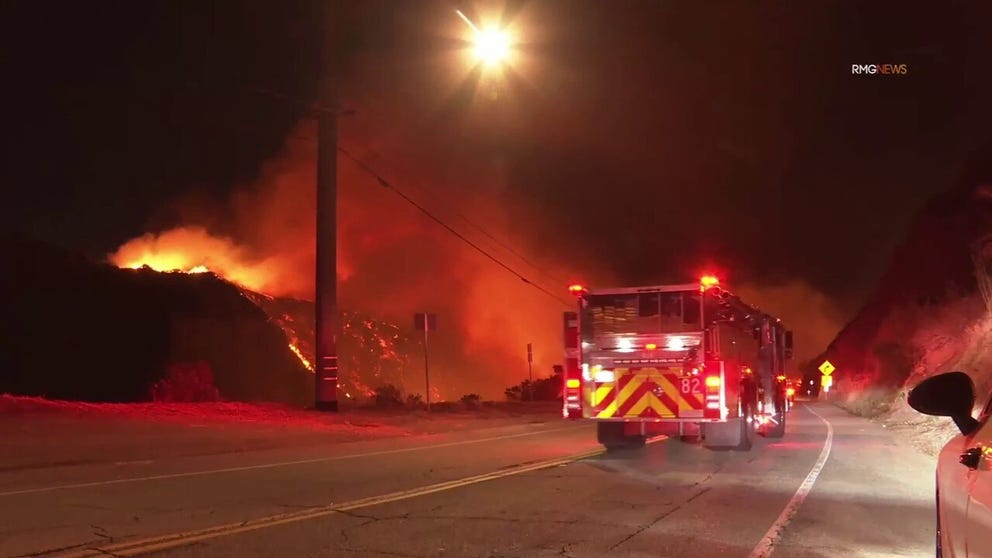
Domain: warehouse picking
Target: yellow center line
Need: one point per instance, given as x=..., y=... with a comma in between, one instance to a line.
x=163, y=542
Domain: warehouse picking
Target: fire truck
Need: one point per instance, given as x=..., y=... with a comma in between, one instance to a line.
x=692, y=359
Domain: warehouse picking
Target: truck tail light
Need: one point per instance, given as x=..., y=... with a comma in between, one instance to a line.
x=714, y=404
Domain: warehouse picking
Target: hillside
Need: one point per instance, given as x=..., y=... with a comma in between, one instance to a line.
x=81, y=330
x=928, y=313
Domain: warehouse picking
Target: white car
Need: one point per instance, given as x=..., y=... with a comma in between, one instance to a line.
x=964, y=467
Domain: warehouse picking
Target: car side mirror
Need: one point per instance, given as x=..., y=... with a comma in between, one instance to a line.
x=951, y=394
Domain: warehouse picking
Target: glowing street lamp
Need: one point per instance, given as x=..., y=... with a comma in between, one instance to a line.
x=491, y=46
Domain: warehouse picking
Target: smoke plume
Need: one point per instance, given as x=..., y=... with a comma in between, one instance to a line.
x=813, y=317
x=393, y=260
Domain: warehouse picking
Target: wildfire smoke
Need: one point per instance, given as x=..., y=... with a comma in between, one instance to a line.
x=392, y=262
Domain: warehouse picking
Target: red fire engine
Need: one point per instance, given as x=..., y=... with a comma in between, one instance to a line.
x=691, y=358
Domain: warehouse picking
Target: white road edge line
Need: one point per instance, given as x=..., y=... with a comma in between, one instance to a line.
x=41, y=489
x=767, y=543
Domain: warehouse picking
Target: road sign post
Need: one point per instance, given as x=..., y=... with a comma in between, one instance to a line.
x=827, y=368
x=426, y=322
x=530, y=371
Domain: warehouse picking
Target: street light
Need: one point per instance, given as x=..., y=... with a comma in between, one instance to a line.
x=491, y=46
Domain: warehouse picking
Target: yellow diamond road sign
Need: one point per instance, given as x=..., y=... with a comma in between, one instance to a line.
x=827, y=368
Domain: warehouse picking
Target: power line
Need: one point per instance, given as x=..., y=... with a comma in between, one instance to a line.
x=316, y=107
x=495, y=240
x=342, y=111
x=386, y=184
x=490, y=236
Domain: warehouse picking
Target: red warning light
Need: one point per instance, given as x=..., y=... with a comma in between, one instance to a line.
x=576, y=289
x=651, y=346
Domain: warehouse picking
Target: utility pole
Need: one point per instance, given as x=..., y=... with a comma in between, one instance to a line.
x=427, y=372
x=426, y=322
x=326, y=287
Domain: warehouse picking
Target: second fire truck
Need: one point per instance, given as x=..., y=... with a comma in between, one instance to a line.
x=689, y=358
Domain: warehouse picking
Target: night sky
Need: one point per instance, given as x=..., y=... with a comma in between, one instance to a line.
x=653, y=138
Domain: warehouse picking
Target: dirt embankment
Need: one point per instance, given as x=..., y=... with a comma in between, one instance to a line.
x=931, y=313
x=37, y=432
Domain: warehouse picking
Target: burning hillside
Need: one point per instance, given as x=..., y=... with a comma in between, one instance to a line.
x=929, y=314
x=372, y=353
x=392, y=263
x=76, y=329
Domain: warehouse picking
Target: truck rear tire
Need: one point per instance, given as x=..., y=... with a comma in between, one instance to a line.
x=776, y=429
x=747, y=431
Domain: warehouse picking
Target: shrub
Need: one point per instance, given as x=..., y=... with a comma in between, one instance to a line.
x=542, y=389
x=415, y=401
x=388, y=397
x=471, y=400
x=187, y=382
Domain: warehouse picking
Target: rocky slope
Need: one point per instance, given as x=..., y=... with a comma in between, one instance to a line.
x=930, y=311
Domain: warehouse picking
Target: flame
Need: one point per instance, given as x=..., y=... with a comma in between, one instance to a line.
x=160, y=265
x=303, y=359
x=194, y=250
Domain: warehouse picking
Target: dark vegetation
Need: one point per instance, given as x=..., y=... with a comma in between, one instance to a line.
x=541, y=389
x=76, y=329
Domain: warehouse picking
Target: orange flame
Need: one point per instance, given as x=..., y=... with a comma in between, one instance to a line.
x=194, y=250
x=303, y=359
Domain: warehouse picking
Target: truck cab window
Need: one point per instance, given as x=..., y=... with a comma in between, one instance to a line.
x=648, y=305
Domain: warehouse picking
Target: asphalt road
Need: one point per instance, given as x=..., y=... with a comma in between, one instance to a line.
x=835, y=486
